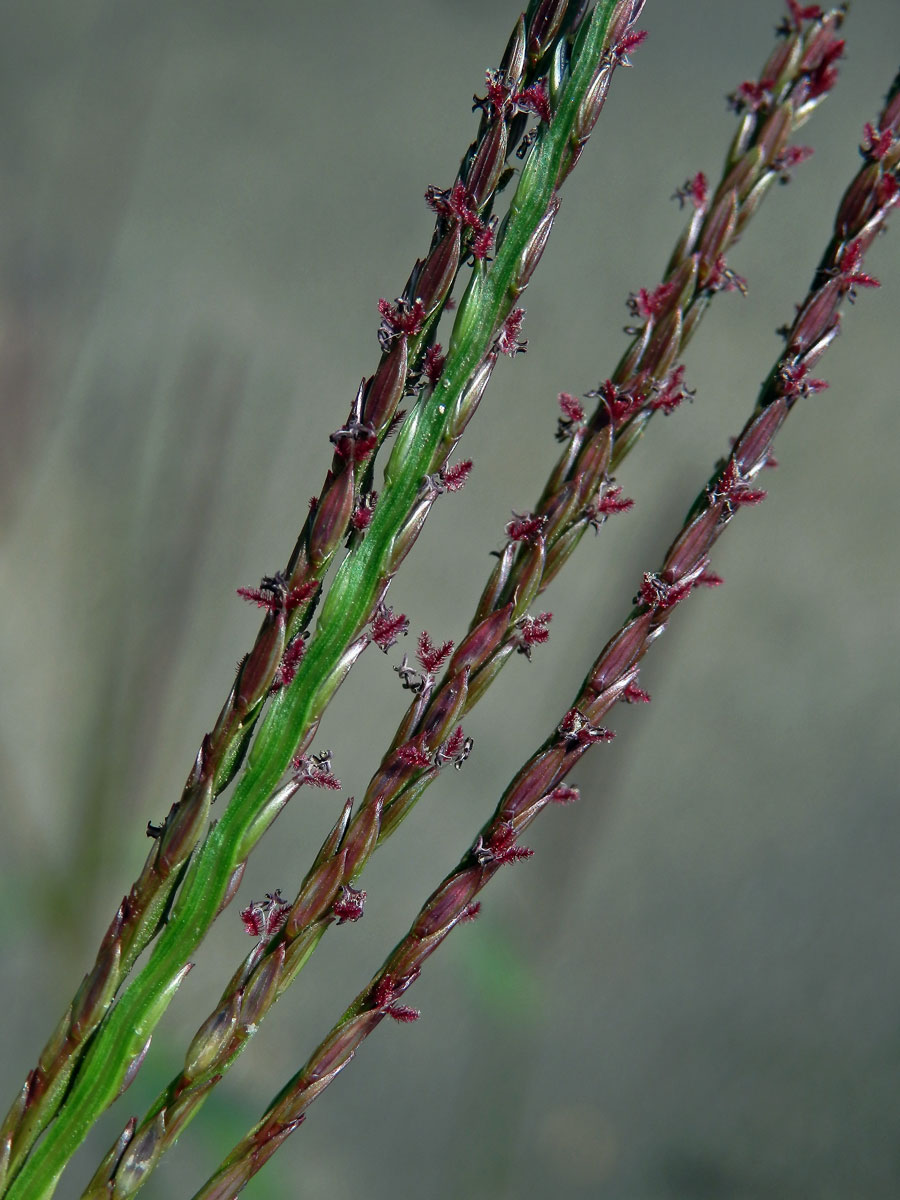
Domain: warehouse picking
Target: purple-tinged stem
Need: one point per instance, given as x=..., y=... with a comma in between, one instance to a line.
x=613, y=675
x=577, y=495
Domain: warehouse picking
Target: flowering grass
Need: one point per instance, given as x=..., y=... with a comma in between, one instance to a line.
x=389, y=627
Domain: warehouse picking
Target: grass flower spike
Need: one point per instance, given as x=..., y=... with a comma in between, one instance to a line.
x=395, y=457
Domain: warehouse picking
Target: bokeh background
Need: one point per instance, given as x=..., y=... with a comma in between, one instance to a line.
x=691, y=990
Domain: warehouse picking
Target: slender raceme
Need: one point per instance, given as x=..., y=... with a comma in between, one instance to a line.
x=390, y=461
x=423, y=444
x=290, y=597
x=613, y=676
x=578, y=495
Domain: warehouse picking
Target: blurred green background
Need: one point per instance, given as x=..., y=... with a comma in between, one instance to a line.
x=691, y=991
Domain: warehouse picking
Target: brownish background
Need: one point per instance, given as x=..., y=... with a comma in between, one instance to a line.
x=691, y=991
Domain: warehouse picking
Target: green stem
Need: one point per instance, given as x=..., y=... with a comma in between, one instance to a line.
x=348, y=606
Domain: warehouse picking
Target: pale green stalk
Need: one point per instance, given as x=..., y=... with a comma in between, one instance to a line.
x=535, y=38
